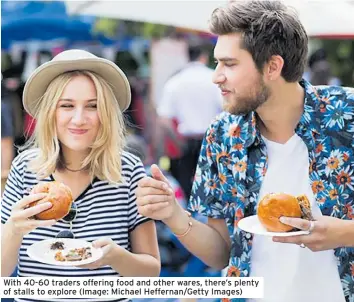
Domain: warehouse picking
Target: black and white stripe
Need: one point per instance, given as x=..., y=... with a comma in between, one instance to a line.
x=105, y=210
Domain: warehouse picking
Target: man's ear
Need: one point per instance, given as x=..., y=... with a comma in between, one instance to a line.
x=272, y=69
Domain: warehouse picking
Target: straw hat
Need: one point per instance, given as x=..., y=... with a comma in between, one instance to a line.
x=70, y=60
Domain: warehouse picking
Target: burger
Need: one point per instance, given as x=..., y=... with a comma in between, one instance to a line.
x=59, y=195
x=275, y=205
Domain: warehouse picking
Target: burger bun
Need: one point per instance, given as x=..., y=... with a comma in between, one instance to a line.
x=59, y=195
x=275, y=205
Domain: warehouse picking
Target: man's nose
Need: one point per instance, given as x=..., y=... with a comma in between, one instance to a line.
x=218, y=77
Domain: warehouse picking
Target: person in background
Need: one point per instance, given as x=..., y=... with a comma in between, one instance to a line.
x=279, y=134
x=320, y=72
x=7, y=135
x=78, y=101
x=189, y=102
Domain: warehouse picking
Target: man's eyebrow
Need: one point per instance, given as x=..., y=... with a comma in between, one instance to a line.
x=225, y=59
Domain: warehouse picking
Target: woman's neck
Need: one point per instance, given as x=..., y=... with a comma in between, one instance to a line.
x=72, y=160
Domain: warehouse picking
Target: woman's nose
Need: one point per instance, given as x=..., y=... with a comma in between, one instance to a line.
x=79, y=117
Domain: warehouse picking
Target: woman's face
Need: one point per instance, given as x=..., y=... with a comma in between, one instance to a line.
x=77, y=119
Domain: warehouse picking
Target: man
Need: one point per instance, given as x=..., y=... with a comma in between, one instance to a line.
x=192, y=101
x=320, y=69
x=281, y=134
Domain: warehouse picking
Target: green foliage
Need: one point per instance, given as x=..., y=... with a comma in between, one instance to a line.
x=106, y=26
x=154, y=30
x=113, y=28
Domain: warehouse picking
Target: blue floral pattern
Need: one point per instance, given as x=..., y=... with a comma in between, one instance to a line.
x=233, y=162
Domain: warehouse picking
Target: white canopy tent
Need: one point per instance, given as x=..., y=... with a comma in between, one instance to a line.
x=320, y=18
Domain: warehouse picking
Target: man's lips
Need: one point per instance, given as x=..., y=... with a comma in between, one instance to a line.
x=225, y=92
x=78, y=131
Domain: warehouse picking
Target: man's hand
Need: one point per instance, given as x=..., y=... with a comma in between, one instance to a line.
x=155, y=197
x=328, y=233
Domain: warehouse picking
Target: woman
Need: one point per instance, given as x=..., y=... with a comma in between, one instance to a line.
x=77, y=100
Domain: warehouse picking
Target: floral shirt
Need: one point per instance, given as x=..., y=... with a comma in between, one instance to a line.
x=233, y=162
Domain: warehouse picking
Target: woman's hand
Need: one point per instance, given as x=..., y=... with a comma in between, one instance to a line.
x=109, y=249
x=20, y=222
x=328, y=233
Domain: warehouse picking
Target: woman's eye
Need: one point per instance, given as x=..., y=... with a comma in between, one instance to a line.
x=66, y=106
x=92, y=106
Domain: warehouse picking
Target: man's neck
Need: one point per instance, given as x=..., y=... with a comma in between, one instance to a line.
x=282, y=112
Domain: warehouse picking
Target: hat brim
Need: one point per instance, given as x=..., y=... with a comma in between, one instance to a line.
x=40, y=79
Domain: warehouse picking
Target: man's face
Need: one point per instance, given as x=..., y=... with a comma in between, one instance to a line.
x=241, y=84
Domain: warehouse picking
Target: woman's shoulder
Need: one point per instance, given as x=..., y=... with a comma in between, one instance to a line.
x=129, y=160
x=24, y=157
x=132, y=167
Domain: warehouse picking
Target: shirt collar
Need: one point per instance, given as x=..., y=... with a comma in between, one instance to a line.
x=308, y=121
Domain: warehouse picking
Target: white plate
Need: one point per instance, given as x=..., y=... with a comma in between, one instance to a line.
x=40, y=251
x=252, y=225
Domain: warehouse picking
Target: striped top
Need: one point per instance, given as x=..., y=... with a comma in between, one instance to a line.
x=104, y=210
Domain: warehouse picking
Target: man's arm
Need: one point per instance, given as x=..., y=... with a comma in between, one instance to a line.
x=209, y=242
x=156, y=199
x=349, y=233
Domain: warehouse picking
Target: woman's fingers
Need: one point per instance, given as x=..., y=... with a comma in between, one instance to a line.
x=30, y=212
x=22, y=225
x=42, y=223
x=24, y=202
x=25, y=226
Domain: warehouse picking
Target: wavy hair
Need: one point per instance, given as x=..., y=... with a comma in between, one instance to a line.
x=104, y=158
x=267, y=28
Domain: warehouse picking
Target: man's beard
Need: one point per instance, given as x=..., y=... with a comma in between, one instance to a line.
x=242, y=105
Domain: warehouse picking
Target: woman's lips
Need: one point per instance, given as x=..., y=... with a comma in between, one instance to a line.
x=78, y=131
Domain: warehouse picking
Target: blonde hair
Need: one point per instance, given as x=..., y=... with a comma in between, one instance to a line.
x=104, y=158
